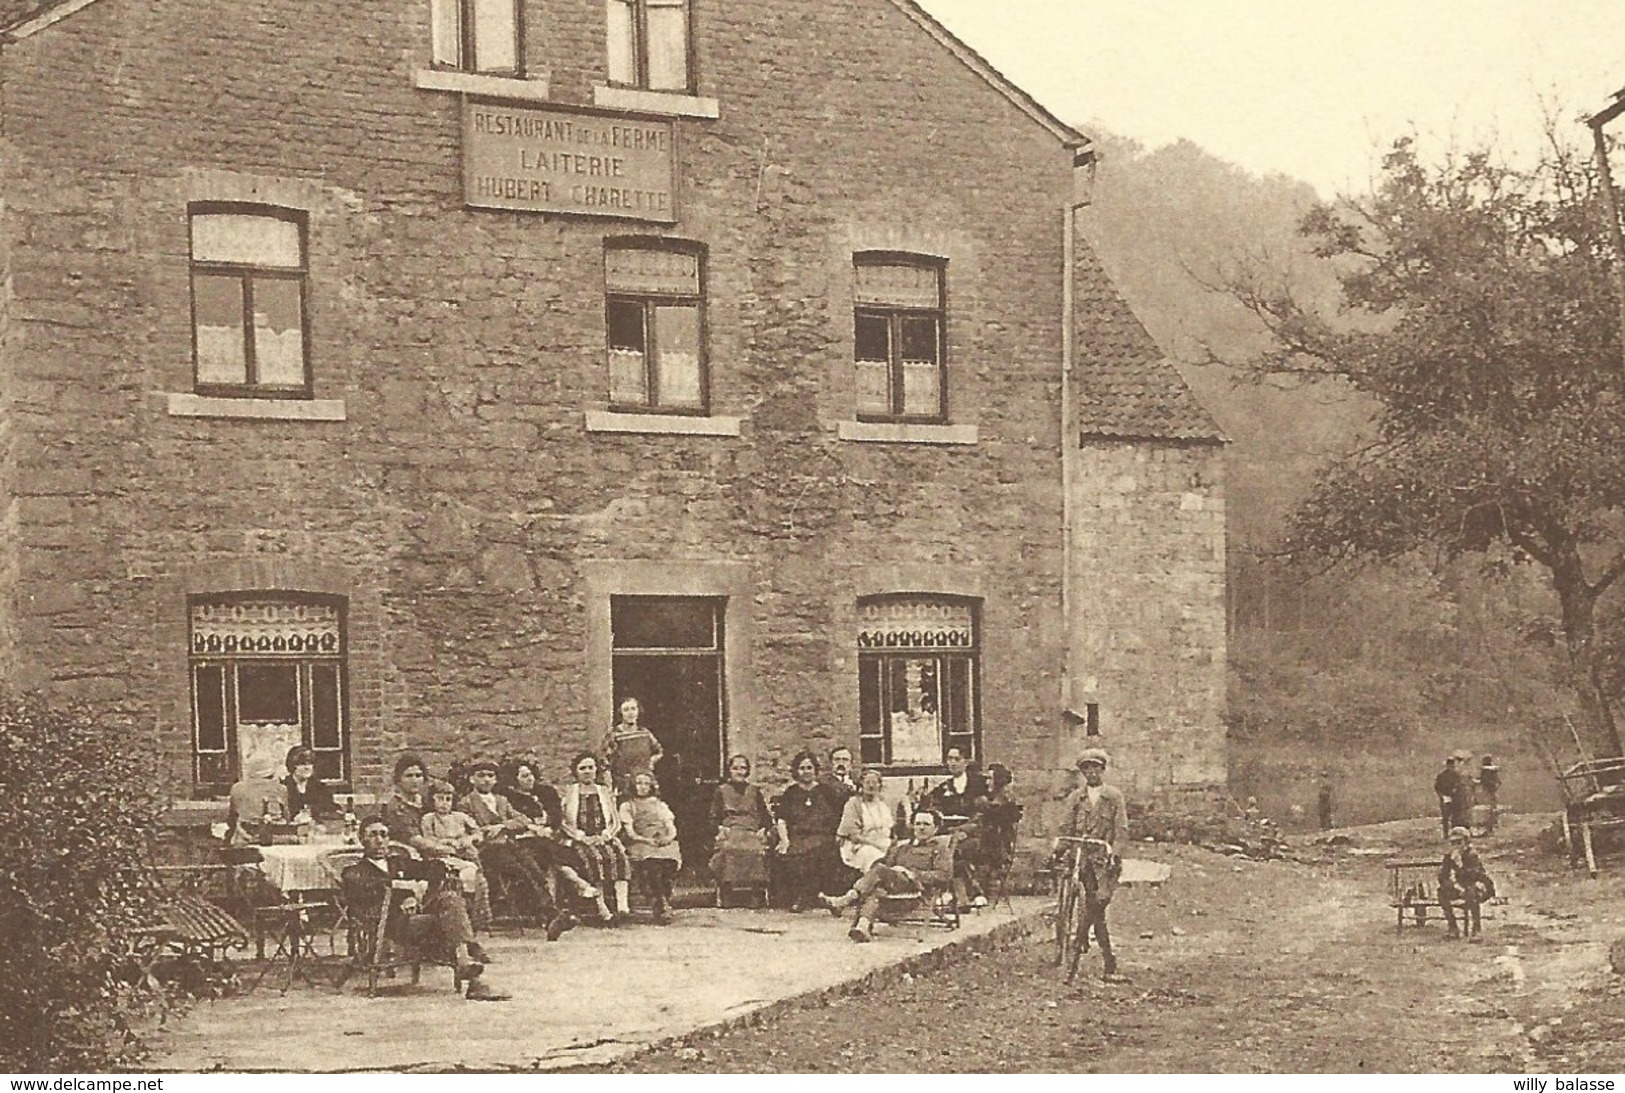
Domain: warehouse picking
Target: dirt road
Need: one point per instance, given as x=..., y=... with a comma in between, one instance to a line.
x=1241, y=966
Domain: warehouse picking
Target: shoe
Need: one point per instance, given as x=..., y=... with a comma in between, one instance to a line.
x=477, y=953
x=558, y=924
x=481, y=991
x=1453, y=935
x=860, y=933
x=836, y=904
x=466, y=974
x=978, y=903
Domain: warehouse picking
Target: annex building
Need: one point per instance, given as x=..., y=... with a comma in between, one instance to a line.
x=435, y=373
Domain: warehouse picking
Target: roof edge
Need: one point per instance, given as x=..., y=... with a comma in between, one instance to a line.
x=1216, y=439
x=45, y=15
x=1001, y=83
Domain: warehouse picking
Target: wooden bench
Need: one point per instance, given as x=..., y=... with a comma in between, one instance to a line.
x=1413, y=890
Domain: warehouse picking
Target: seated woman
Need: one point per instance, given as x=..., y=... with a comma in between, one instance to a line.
x=919, y=866
x=649, y=831
x=501, y=826
x=807, y=813
x=308, y=795
x=1462, y=879
x=864, y=832
x=997, y=822
x=588, y=818
x=544, y=839
x=739, y=814
x=452, y=837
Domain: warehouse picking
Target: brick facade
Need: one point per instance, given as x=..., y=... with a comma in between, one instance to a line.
x=445, y=482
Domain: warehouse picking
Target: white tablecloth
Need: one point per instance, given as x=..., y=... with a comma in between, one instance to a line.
x=299, y=867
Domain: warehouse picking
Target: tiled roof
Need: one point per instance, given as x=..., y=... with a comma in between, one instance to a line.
x=1125, y=387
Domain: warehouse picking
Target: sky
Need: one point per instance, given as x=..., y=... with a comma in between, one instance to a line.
x=1313, y=89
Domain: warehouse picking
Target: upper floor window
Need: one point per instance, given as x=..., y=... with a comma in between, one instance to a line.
x=249, y=336
x=648, y=44
x=485, y=36
x=654, y=312
x=898, y=329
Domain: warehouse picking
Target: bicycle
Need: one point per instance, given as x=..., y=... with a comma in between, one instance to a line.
x=1074, y=908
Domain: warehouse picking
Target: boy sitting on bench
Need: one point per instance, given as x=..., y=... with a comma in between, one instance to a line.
x=1462, y=879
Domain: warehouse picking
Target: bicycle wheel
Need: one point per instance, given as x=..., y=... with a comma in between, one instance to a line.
x=1066, y=903
x=1066, y=921
x=1080, y=936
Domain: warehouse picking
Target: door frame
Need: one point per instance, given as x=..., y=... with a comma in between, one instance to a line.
x=729, y=581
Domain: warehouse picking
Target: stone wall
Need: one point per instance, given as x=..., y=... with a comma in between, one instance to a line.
x=460, y=504
x=1148, y=645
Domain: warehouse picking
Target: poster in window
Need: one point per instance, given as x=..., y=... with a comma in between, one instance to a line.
x=916, y=727
x=263, y=749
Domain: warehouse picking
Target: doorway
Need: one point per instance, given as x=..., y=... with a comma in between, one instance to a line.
x=668, y=654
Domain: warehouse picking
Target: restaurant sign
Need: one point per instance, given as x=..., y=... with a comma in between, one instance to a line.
x=561, y=161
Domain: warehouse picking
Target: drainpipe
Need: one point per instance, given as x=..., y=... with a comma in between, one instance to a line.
x=1610, y=203
x=1083, y=178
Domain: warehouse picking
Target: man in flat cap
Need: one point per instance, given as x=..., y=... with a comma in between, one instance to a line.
x=1098, y=811
x=1450, y=787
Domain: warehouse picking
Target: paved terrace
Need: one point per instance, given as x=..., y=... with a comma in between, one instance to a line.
x=590, y=998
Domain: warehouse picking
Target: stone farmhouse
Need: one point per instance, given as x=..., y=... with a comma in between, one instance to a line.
x=437, y=373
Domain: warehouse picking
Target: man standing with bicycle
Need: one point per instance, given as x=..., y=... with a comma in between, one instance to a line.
x=1098, y=812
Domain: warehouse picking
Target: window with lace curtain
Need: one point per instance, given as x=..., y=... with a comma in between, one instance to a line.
x=898, y=328
x=481, y=36
x=656, y=331
x=649, y=45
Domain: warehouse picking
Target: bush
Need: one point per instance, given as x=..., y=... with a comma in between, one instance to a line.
x=78, y=807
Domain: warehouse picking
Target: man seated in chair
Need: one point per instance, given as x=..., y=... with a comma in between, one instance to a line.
x=1462, y=879
x=959, y=799
x=921, y=866
x=437, y=926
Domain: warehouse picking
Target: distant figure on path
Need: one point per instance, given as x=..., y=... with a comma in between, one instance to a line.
x=1489, y=791
x=1450, y=787
x=1323, y=801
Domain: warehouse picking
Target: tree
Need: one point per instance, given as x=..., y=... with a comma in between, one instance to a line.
x=1477, y=312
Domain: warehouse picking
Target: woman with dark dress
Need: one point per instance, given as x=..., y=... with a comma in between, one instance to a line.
x=589, y=820
x=538, y=802
x=307, y=794
x=807, y=813
x=739, y=814
x=630, y=748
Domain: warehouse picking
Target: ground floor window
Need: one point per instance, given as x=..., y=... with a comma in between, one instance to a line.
x=267, y=672
x=917, y=680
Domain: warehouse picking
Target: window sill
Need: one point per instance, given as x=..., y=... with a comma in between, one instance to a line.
x=675, y=103
x=887, y=432
x=533, y=88
x=260, y=409
x=609, y=421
